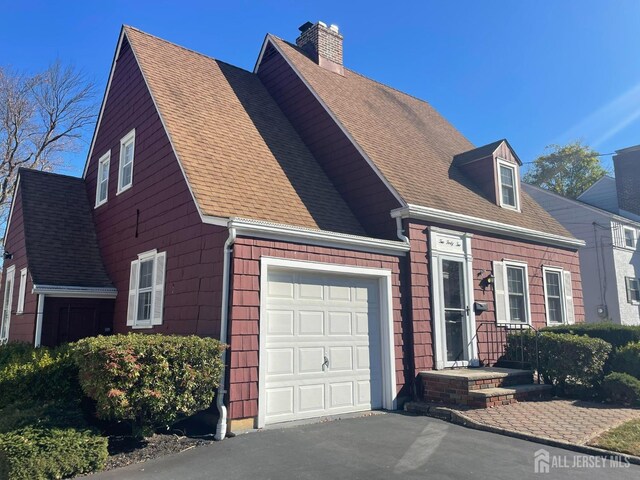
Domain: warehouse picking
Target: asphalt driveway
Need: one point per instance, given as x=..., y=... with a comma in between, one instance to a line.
x=383, y=446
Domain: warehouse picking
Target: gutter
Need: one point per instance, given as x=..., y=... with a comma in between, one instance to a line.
x=483, y=225
x=74, y=291
x=221, y=427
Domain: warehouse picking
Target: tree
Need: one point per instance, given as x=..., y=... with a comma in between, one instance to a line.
x=567, y=169
x=42, y=116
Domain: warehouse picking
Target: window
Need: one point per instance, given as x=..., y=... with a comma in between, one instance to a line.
x=633, y=290
x=125, y=170
x=146, y=290
x=516, y=290
x=6, y=305
x=554, y=295
x=21, y=292
x=508, y=185
x=630, y=237
x=511, y=289
x=102, y=187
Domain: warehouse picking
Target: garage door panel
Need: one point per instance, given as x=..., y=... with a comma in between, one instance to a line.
x=340, y=359
x=280, y=322
x=310, y=359
x=341, y=394
x=339, y=323
x=280, y=285
x=280, y=401
x=280, y=361
x=310, y=288
x=339, y=293
x=312, y=397
x=310, y=323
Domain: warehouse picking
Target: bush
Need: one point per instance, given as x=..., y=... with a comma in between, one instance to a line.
x=574, y=364
x=617, y=335
x=627, y=360
x=37, y=374
x=34, y=453
x=149, y=380
x=54, y=414
x=622, y=388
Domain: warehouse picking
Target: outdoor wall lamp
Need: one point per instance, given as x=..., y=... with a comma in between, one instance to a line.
x=486, y=281
x=8, y=256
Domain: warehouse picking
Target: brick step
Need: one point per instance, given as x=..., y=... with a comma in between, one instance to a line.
x=491, y=397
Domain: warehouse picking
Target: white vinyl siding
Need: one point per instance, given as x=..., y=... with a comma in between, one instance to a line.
x=102, y=186
x=508, y=185
x=511, y=290
x=125, y=168
x=22, y=291
x=6, y=305
x=146, y=290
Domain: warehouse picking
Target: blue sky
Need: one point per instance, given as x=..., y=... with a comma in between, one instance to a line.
x=535, y=72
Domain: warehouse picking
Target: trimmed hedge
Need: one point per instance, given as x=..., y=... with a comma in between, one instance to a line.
x=149, y=380
x=37, y=374
x=617, y=335
x=627, y=359
x=574, y=364
x=622, y=388
x=33, y=453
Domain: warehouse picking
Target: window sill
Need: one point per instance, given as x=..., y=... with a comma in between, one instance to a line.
x=124, y=189
x=141, y=327
x=99, y=204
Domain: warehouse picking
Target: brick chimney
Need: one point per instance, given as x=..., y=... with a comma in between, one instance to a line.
x=626, y=163
x=323, y=45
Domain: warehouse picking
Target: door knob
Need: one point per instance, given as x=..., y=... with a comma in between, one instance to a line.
x=325, y=363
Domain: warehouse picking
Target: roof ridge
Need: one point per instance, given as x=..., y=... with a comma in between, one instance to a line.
x=55, y=174
x=182, y=47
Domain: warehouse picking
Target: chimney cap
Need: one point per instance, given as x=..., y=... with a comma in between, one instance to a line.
x=305, y=26
x=334, y=28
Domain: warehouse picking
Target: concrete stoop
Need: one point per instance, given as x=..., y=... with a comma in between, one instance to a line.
x=481, y=387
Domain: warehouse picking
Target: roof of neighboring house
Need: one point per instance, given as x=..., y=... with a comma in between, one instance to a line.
x=62, y=248
x=602, y=194
x=240, y=154
x=411, y=144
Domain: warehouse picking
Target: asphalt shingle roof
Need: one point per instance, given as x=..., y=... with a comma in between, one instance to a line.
x=62, y=247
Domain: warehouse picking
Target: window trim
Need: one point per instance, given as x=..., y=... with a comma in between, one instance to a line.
x=104, y=159
x=10, y=275
x=624, y=237
x=626, y=285
x=563, y=300
x=516, y=184
x=129, y=137
x=22, y=291
x=527, y=295
x=136, y=323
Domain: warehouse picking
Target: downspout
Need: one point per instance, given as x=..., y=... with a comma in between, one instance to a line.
x=39, y=317
x=221, y=428
x=400, y=231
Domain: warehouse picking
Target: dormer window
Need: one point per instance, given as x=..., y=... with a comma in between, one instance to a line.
x=508, y=185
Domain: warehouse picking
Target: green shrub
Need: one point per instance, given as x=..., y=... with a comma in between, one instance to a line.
x=617, y=335
x=622, y=388
x=573, y=363
x=50, y=414
x=37, y=374
x=34, y=453
x=627, y=359
x=149, y=380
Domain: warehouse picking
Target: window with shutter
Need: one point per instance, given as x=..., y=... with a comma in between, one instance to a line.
x=6, y=305
x=146, y=290
x=511, y=290
x=22, y=291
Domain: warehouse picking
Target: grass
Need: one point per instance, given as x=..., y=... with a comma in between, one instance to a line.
x=624, y=439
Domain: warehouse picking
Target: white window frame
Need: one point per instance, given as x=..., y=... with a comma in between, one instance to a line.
x=157, y=290
x=103, y=162
x=516, y=184
x=627, y=280
x=624, y=237
x=22, y=291
x=7, y=304
x=563, y=302
x=128, y=138
x=527, y=301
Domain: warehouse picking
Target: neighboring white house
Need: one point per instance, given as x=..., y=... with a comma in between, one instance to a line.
x=607, y=218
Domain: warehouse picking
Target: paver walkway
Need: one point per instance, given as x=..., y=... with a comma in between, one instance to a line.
x=571, y=421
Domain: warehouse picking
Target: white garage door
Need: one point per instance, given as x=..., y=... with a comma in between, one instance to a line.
x=322, y=346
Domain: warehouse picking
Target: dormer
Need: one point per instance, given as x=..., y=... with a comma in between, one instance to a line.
x=495, y=169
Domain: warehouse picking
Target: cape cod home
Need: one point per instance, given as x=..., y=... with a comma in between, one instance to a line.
x=340, y=235
x=607, y=217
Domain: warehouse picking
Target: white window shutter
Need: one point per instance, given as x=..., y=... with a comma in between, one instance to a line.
x=568, y=298
x=133, y=297
x=499, y=290
x=158, y=288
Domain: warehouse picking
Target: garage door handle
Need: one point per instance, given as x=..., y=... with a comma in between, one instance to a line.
x=326, y=362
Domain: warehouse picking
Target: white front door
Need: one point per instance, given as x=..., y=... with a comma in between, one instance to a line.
x=322, y=345
x=452, y=290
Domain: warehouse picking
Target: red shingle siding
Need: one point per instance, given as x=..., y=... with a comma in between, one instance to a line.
x=365, y=193
x=168, y=217
x=22, y=327
x=485, y=249
x=245, y=310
